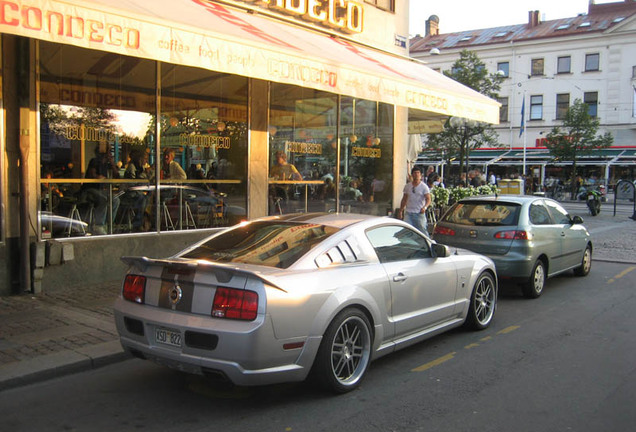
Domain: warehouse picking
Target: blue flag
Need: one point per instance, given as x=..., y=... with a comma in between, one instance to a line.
x=523, y=117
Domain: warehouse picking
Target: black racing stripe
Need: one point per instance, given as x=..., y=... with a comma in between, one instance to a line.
x=171, y=282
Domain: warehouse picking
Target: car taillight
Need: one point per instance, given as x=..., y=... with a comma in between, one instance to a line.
x=235, y=304
x=134, y=288
x=512, y=235
x=444, y=231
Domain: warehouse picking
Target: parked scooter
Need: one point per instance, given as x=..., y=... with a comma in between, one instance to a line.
x=593, y=201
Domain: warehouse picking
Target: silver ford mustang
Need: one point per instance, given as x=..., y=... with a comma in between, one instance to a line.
x=284, y=298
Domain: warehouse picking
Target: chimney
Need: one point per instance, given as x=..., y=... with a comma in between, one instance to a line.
x=533, y=18
x=432, y=26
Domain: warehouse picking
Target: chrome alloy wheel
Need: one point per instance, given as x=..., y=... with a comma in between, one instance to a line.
x=484, y=301
x=350, y=350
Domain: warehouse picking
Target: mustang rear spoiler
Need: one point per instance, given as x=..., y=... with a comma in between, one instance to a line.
x=223, y=272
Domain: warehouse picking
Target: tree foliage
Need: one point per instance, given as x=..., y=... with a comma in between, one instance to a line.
x=458, y=139
x=578, y=136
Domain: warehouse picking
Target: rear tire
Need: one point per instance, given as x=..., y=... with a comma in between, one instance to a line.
x=345, y=352
x=533, y=287
x=483, y=303
x=586, y=263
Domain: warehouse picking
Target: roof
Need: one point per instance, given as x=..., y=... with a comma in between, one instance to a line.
x=600, y=17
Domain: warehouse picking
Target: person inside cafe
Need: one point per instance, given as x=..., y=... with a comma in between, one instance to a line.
x=102, y=166
x=282, y=171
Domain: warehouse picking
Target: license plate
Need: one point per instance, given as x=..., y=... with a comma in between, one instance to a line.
x=590, y=197
x=167, y=337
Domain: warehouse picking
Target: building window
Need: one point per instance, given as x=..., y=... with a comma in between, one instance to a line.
x=633, y=72
x=303, y=152
x=388, y=5
x=109, y=137
x=563, y=64
x=591, y=100
x=503, y=110
x=562, y=105
x=536, y=107
x=504, y=67
x=591, y=62
x=537, y=67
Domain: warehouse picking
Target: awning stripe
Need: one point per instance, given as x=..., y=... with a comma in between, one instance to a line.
x=205, y=34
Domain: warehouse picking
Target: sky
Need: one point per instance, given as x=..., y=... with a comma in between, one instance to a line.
x=459, y=15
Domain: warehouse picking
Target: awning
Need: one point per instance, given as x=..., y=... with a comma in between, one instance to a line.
x=625, y=155
x=208, y=35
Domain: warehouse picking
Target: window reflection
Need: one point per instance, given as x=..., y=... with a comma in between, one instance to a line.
x=96, y=114
x=366, y=168
x=302, y=150
x=203, y=126
x=100, y=160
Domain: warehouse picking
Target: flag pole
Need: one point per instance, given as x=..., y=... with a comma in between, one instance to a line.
x=523, y=130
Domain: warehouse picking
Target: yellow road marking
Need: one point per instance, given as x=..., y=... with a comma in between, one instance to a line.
x=624, y=272
x=487, y=338
x=621, y=274
x=472, y=345
x=434, y=363
x=508, y=330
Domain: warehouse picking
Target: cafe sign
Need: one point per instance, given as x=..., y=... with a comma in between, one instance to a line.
x=342, y=15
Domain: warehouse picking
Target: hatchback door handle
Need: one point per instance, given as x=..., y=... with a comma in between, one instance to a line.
x=399, y=277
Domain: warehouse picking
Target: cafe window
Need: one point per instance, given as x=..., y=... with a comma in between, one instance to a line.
x=101, y=158
x=562, y=105
x=366, y=156
x=96, y=112
x=203, y=142
x=536, y=67
x=302, y=150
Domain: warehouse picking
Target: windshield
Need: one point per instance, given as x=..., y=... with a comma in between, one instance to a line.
x=483, y=214
x=274, y=244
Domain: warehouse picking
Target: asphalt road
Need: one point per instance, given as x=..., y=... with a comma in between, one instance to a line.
x=563, y=362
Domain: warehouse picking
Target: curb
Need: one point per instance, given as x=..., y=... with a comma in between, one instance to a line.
x=61, y=363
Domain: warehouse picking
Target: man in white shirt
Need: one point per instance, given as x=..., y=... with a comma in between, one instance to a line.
x=416, y=198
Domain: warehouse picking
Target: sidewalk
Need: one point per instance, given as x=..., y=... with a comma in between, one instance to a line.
x=71, y=329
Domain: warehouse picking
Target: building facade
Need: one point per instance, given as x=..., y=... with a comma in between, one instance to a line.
x=135, y=128
x=548, y=65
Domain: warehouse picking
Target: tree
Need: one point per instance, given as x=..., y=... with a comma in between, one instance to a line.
x=459, y=136
x=578, y=138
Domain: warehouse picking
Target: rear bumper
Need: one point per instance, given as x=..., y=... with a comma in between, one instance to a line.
x=245, y=353
x=513, y=266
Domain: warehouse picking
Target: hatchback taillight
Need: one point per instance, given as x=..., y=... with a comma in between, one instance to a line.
x=512, y=235
x=444, y=231
x=235, y=304
x=134, y=288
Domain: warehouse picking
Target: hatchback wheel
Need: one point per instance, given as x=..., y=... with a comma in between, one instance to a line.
x=483, y=303
x=345, y=352
x=586, y=263
x=534, y=285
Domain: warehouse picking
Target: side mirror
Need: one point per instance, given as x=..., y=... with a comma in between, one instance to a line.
x=441, y=251
x=577, y=220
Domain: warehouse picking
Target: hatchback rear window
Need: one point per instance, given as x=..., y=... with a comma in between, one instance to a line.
x=273, y=244
x=483, y=214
